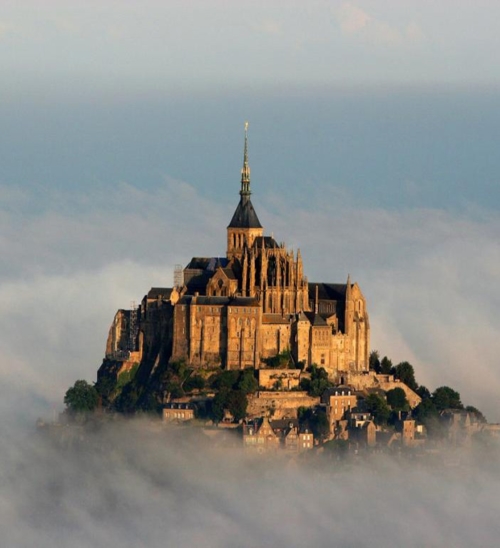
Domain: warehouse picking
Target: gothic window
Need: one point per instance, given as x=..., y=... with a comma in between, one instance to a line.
x=271, y=271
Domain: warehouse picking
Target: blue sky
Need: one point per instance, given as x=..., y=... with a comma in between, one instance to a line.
x=373, y=136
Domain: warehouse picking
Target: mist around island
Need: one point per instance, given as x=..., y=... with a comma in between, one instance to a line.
x=135, y=483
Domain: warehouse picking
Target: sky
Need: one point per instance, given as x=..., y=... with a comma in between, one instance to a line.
x=373, y=133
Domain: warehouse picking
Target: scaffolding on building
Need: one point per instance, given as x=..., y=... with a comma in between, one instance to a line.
x=178, y=276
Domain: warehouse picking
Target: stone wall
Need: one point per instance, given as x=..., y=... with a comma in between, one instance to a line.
x=369, y=379
x=286, y=378
x=281, y=404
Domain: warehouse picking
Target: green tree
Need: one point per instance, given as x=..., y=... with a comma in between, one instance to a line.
x=374, y=361
x=423, y=392
x=195, y=382
x=396, y=398
x=237, y=403
x=225, y=380
x=234, y=401
x=247, y=382
x=105, y=387
x=405, y=373
x=377, y=406
x=82, y=397
x=319, y=382
x=217, y=406
x=385, y=365
x=149, y=403
x=425, y=410
x=127, y=400
x=480, y=417
x=445, y=397
x=317, y=422
x=283, y=360
x=338, y=449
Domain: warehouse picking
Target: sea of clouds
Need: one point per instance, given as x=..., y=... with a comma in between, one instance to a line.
x=136, y=484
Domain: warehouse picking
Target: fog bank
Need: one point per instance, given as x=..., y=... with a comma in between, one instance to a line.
x=136, y=485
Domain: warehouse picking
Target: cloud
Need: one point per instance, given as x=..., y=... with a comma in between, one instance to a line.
x=352, y=19
x=136, y=484
x=54, y=326
x=414, y=33
x=74, y=231
x=356, y=22
x=65, y=25
x=270, y=27
x=6, y=28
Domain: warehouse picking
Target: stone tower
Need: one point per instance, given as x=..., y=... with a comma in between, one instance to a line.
x=245, y=225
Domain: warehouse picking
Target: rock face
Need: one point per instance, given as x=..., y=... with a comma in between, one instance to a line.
x=237, y=310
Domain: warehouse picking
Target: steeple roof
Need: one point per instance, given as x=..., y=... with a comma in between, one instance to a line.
x=245, y=216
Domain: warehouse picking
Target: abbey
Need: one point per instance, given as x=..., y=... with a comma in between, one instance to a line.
x=254, y=303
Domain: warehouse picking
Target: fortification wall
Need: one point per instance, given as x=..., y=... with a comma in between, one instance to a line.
x=369, y=379
x=286, y=378
x=279, y=404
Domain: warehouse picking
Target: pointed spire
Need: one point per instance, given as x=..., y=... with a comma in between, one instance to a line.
x=348, y=288
x=245, y=170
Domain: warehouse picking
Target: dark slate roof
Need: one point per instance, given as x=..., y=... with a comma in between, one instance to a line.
x=269, y=242
x=215, y=262
x=327, y=292
x=198, y=263
x=229, y=272
x=156, y=292
x=244, y=301
x=207, y=263
x=245, y=216
x=315, y=319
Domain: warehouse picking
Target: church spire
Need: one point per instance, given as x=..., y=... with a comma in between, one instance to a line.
x=245, y=170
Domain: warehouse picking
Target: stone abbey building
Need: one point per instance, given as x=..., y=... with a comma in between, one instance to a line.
x=251, y=304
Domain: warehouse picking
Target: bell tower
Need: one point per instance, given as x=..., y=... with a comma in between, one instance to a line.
x=244, y=226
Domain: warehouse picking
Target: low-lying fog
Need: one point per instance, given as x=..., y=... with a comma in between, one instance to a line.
x=134, y=484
